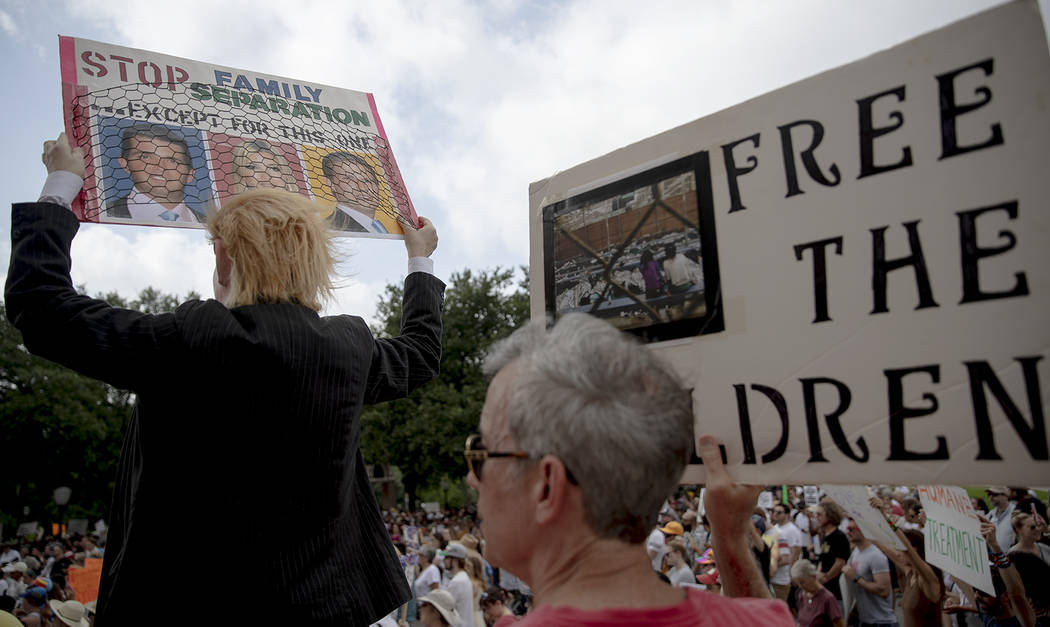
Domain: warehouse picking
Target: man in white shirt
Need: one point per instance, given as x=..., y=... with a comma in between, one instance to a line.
x=9, y=555
x=157, y=159
x=355, y=185
x=460, y=587
x=790, y=546
x=655, y=545
x=682, y=272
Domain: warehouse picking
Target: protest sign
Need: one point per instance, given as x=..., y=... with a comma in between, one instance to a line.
x=853, y=499
x=78, y=526
x=952, y=535
x=811, y=494
x=765, y=499
x=27, y=529
x=863, y=297
x=167, y=140
x=85, y=581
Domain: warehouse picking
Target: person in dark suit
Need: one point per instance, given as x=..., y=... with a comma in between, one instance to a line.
x=246, y=429
x=356, y=189
x=157, y=160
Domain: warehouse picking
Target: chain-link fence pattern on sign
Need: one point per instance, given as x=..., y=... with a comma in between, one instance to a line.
x=173, y=153
x=633, y=258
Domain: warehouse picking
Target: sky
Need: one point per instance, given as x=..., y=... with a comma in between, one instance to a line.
x=478, y=99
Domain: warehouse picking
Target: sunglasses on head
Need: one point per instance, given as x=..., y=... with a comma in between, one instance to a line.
x=476, y=454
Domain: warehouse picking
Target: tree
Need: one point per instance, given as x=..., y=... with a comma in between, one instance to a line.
x=60, y=428
x=424, y=434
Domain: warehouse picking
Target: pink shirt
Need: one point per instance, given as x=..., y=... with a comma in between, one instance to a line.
x=699, y=608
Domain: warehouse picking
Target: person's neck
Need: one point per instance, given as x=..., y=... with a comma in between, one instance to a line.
x=600, y=573
x=829, y=528
x=863, y=544
x=1003, y=507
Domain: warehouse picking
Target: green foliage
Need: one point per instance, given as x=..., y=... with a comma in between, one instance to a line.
x=424, y=434
x=60, y=428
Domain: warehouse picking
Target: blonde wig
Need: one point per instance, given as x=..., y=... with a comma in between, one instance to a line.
x=280, y=247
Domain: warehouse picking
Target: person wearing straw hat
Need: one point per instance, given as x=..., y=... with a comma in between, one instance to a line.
x=437, y=609
x=72, y=613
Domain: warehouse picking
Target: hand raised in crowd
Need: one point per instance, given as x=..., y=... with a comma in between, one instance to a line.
x=422, y=240
x=988, y=531
x=59, y=156
x=728, y=505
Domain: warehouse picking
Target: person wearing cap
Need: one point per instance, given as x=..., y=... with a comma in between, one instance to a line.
x=437, y=609
x=231, y=392
x=1000, y=513
x=34, y=611
x=582, y=435
x=460, y=586
x=430, y=575
x=656, y=543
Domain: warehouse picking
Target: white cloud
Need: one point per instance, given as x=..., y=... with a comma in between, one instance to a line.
x=7, y=23
x=481, y=99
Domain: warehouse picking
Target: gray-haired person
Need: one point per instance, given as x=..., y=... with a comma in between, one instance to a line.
x=583, y=434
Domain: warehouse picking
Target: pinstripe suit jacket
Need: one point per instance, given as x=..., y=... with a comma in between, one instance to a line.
x=241, y=489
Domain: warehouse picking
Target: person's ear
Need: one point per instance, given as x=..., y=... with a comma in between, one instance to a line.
x=223, y=271
x=552, y=489
x=123, y=164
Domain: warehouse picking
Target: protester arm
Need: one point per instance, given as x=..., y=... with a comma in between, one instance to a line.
x=834, y=571
x=729, y=505
x=879, y=587
x=1014, y=586
x=404, y=363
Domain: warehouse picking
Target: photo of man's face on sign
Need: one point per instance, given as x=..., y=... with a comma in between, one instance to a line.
x=639, y=253
x=157, y=173
x=353, y=182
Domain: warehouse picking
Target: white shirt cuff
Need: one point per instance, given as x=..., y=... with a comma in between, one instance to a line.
x=61, y=188
x=421, y=264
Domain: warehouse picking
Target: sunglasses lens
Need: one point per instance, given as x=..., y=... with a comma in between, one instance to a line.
x=474, y=463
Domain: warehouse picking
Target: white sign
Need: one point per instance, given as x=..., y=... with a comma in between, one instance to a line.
x=765, y=500
x=78, y=526
x=953, y=540
x=812, y=494
x=876, y=310
x=430, y=508
x=27, y=529
x=854, y=500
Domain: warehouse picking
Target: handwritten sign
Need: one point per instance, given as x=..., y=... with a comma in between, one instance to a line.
x=953, y=540
x=811, y=494
x=85, y=581
x=854, y=500
x=872, y=239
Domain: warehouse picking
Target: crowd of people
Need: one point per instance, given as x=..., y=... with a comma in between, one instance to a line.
x=814, y=558
x=572, y=467
x=36, y=587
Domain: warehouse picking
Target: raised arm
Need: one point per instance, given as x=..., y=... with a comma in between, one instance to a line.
x=404, y=363
x=1014, y=586
x=729, y=506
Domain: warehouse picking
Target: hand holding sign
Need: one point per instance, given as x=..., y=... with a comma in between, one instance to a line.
x=58, y=156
